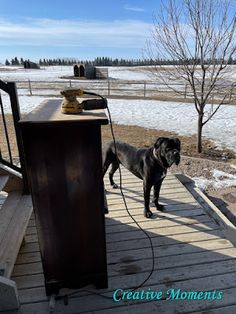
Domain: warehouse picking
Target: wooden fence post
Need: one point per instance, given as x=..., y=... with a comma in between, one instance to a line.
x=30, y=88
x=108, y=88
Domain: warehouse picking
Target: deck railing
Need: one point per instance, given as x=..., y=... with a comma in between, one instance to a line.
x=8, y=139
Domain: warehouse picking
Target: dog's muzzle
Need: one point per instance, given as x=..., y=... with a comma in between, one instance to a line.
x=176, y=157
x=173, y=157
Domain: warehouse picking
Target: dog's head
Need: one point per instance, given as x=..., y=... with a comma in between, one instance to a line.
x=168, y=149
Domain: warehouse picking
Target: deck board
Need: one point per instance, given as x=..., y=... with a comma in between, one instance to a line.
x=190, y=249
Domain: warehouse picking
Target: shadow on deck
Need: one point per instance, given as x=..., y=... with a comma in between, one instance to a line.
x=190, y=249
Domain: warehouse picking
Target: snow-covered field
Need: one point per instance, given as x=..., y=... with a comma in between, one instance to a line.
x=51, y=73
x=130, y=73
x=145, y=73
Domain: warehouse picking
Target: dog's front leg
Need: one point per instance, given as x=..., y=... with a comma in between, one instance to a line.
x=146, y=191
x=157, y=188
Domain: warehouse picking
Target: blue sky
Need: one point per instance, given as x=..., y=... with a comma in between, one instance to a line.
x=79, y=29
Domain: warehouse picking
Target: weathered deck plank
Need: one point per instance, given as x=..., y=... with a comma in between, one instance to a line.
x=191, y=254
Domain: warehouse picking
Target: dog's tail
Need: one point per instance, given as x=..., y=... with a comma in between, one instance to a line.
x=108, y=156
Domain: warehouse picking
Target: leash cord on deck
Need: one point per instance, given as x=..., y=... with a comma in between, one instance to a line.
x=66, y=296
x=127, y=209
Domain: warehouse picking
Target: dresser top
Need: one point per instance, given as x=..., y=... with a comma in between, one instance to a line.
x=49, y=112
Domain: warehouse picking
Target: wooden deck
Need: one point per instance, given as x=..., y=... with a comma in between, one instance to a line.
x=190, y=250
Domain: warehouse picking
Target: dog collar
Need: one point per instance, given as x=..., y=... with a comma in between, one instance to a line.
x=157, y=157
x=154, y=154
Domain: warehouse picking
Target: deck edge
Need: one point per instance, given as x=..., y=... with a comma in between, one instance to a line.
x=227, y=226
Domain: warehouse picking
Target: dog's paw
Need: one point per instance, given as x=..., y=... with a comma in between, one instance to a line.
x=115, y=186
x=148, y=214
x=160, y=207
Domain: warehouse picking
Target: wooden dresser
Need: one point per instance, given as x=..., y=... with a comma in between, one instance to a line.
x=64, y=166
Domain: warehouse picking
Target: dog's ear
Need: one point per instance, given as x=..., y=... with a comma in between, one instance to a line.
x=177, y=141
x=159, y=141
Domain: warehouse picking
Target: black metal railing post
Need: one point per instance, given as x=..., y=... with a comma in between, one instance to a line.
x=16, y=117
x=5, y=130
x=10, y=89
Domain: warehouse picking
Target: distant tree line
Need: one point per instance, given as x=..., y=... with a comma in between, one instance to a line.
x=105, y=61
x=100, y=61
x=16, y=61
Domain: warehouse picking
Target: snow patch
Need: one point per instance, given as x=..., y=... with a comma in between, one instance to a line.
x=26, y=103
x=220, y=180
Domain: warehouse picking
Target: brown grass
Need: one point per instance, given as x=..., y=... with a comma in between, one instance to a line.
x=142, y=137
x=11, y=135
x=134, y=135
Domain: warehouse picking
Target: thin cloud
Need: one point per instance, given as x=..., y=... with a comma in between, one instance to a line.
x=135, y=9
x=128, y=33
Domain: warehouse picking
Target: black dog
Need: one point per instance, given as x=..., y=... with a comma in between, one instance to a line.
x=148, y=164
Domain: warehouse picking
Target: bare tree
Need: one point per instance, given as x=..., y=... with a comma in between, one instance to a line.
x=198, y=36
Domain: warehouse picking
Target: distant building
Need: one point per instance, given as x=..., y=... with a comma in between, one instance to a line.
x=101, y=73
x=90, y=71
x=79, y=70
x=31, y=65
x=85, y=71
